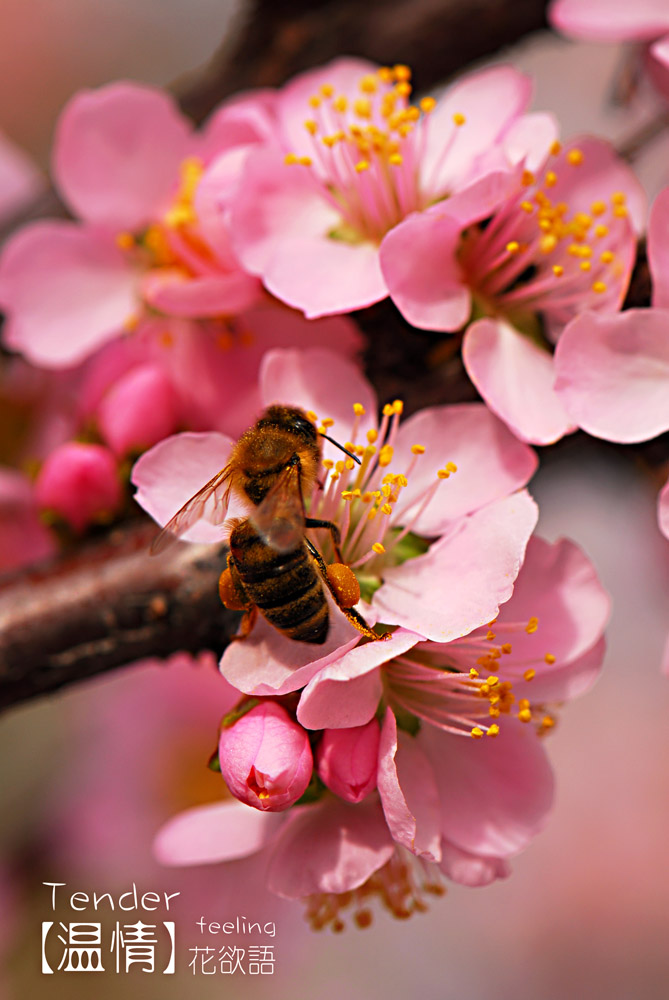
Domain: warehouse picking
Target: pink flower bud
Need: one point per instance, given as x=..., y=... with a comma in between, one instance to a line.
x=139, y=410
x=80, y=483
x=348, y=759
x=266, y=758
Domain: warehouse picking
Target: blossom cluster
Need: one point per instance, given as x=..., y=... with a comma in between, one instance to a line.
x=208, y=274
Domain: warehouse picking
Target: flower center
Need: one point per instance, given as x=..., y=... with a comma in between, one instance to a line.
x=365, y=152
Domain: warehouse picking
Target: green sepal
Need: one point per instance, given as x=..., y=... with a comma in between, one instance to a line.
x=214, y=763
x=313, y=792
x=238, y=711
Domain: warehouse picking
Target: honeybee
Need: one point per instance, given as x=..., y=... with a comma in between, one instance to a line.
x=272, y=567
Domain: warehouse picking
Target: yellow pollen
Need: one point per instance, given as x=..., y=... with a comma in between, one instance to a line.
x=493, y=730
x=315, y=101
x=327, y=90
x=427, y=105
x=125, y=241
x=473, y=673
x=398, y=407
x=402, y=72
x=575, y=157
x=311, y=126
x=532, y=625
x=388, y=410
x=513, y=247
x=550, y=180
x=549, y=658
x=620, y=212
x=618, y=198
x=476, y=733
x=601, y=231
x=548, y=243
x=556, y=148
x=598, y=207
x=558, y=270
x=493, y=681
x=490, y=636
x=386, y=455
x=529, y=674
x=607, y=256
x=350, y=464
x=372, y=436
x=507, y=647
x=417, y=449
x=362, y=165
x=339, y=466
x=451, y=467
x=362, y=107
x=395, y=160
x=403, y=89
x=528, y=178
x=598, y=287
x=525, y=715
x=328, y=463
x=386, y=509
x=359, y=409
x=368, y=84
x=547, y=722
x=443, y=474
x=340, y=104
x=327, y=422
x=459, y=119
x=310, y=415
x=585, y=265
x=527, y=206
x=385, y=74
x=378, y=548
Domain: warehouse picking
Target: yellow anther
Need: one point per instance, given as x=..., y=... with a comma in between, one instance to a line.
x=340, y=104
x=166, y=339
x=473, y=673
x=125, y=241
x=532, y=625
x=548, y=243
x=385, y=455
x=362, y=107
x=601, y=230
x=558, y=270
x=620, y=212
x=329, y=140
x=347, y=494
x=549, y=658
x=618, y=198
x=386, y=490
x=366, y=497
x=525, y=715
x=368, y=84
x=452, y=467
x=493, y=681
x=527, y=179
x=385, y=74
x=315, y=101
x=598, y=207
x=556, y=148
x=599, y=287
x=398, y=407
x=575, y=157
x=304, y=161
x=311, y=126
x=402, y=480
x=490, y=636
x=530, y=674
x=339, y=466
x=547, y=722
x=378, y=548
x=513, y=247
x=402, y=72
x=362, y=165
x=395, y=160
x=527, y=206
x=350, y=464
x=417, y=449
x=327, y=422
x=507, y=647
x=607, y=256
x=428, y=104
x=476, y=733
x=459, y=119
x=388, y=410
x=327, y=90
x=131, y=322
x=493, y=730
x=403, y=89
x=359, y=409
x=372, y=436
x=386, y=509
x=585, y=265
x=310, y=415
x=289, y=159
x=550, y=180
x=443, y=474
x=328, y=463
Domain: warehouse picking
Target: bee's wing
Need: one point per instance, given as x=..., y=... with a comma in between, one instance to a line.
x=194, y=509
x=279, y=518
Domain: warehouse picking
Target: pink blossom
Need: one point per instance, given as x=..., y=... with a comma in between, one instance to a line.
x=265, y=758
x=548, y=242
x=617, y=21
x=350, y=159
x=132, y=170
x=347, y=760
x=447, y=473
x=79, y=483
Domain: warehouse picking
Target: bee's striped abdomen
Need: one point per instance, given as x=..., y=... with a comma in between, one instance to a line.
x=285, y=586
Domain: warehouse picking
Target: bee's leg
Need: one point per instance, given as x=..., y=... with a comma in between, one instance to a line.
x=316, y=522
x=233, y=596
x=343, y=585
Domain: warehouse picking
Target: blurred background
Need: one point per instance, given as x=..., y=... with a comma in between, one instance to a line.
x=88, y=775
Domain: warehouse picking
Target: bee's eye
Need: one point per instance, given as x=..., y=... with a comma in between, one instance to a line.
x=304, y=427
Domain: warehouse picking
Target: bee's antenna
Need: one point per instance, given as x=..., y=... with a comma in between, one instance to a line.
x=341, y=448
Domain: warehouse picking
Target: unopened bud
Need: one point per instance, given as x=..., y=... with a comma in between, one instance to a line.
x=139, y=410
x=347, y=760
x=80, y=483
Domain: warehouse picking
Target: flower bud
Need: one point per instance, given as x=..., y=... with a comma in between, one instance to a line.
x=139, y=410
x=80, y=483
x=348, y=758
x=265, y=758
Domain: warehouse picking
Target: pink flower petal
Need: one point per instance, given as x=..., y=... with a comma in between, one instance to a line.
x=329, y=847
x=268, y=663
x=323, y=382
x=220, y=831
x=495, y=793
x=610, y=20
x=529, y=139
x=460, y=582
x=346, y=692
x=68, y=290
x=23, y=537
x=172, y=291
x=613, y=374
x=567, y=681
x=490, y=100
x=658, y=249
x=515, y=378
x=408, y=792
x=663, y=510
x=175, y=470
x=491, y=463
x=471, y=869
x=117, y=153
x=20, y=180
x=239, y=122
x=418, y=262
